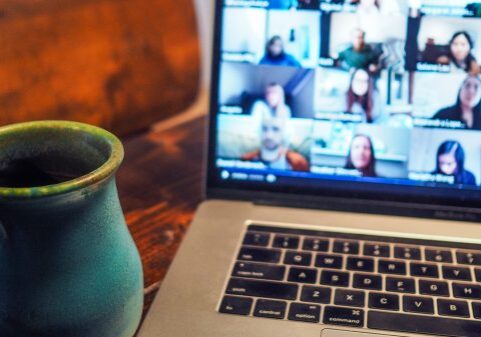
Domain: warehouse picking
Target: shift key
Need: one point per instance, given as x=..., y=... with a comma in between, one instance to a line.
x=265, y=289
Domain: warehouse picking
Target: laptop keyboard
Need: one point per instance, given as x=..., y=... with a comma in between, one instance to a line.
x=360, y=281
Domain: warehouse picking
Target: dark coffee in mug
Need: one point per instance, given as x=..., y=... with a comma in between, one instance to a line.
x=28, y=173
x=48, y=157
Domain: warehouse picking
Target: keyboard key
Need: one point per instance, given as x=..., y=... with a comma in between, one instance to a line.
x=259, y=271
x=299, y=259
x=392, y=267
x=266, y=289
x=400, y=285
x=256, y=239
x=346, y=247
x=437, y=255
x=344, y=317
x=456, y=273
x=453, y=308
x=316, y=245
x=349, y=298
x=468, y=258
x=236, y=305
x=376, y=250
x=329, y=261
x=420, y=305
x=383, y=301
x=477, y=310
x=316, y=294
x=419, y=324
x=270, y=309
x=305, y=312
x=469, y=291
x=424, y=270
x=284, y=241
x=360, y=264
x=477, y=272
x=433, y=288
x=335, y=279
x=302, y=275
x=259, y=255
x=371, y=282
x=407, y=253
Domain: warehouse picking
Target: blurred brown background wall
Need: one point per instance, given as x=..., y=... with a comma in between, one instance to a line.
x=116, y=63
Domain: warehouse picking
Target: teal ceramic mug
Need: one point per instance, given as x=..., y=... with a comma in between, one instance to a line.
x=68, y=265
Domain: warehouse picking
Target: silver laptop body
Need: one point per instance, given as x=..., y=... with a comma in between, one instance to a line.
x=342, y=188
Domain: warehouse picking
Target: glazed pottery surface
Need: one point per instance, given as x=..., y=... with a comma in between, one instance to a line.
x=68, y=265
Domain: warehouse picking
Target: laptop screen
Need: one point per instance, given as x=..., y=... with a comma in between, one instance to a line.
x=365, y=95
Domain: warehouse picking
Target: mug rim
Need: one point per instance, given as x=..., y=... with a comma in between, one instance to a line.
x=102, y=173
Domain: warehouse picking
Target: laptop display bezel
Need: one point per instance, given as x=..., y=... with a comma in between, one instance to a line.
x=436, y=202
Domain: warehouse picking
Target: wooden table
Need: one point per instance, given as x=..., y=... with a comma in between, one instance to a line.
x=160, y=187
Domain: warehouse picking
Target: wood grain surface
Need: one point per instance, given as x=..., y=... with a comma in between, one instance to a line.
x=119, y=64
x=160, y=186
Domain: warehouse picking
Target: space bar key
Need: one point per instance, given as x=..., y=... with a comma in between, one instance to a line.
x=423, y=324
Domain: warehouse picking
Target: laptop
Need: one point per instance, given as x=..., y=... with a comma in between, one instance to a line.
x=343, y=175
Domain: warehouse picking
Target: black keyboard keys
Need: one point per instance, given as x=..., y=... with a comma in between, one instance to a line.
x=407, y=253
x=420, y=305
x=335, y=279
x=329, y=261
x=349, y=298
x=377, y=250
x=316, y=294
x=400, y=285
x=302, y=275
x=370, y=282
x=424, y=270
x=259, y=271
x=270, y=309
x=469, y=291
x=437, y=255
x=477, y=310
x=477, y=273
x=346, y=247
x=453, y=308
x=456, y=273
x=316, y=245
x=286, y=241
x=344, y=317
x=360, y=264
x=392, y=267
x=259, y=255
x=384, y=301
x=265, y=289
x=473, y=259
x=236, y=305
x=256, y=239
x=305, y=312
x=299, y=259
x=433, y=288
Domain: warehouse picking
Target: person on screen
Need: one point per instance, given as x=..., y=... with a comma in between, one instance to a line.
x=274, y=151
x=359, y=54
x=468, y=105
x=361, y=156
x=275, y=54
x=461, y=54
x=274, y=103
x=450, y=162
x=362, y=97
